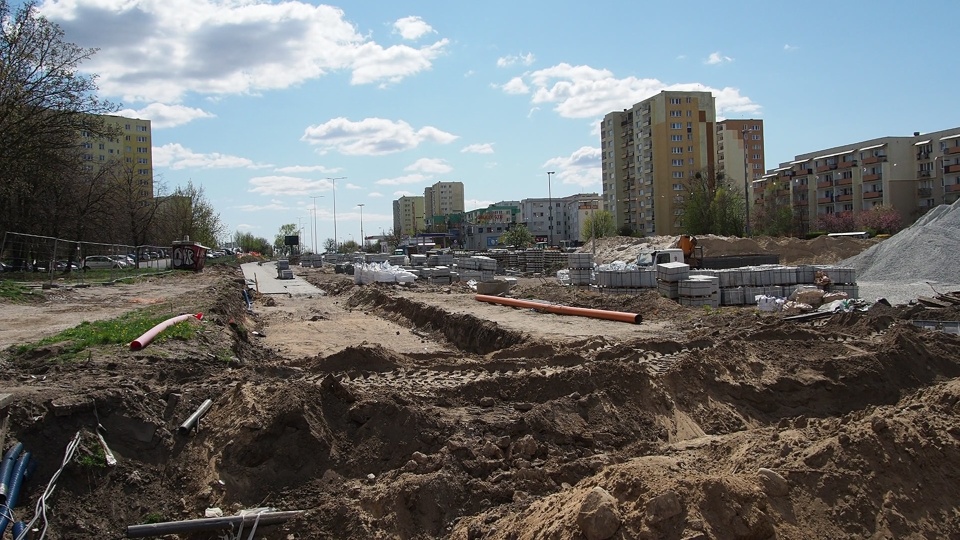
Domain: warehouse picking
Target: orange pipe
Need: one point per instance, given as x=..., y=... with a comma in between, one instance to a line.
x=621, y=316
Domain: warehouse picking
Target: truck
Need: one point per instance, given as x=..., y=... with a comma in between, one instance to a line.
x=653, y=257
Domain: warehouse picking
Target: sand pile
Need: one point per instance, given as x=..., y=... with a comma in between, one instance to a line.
x=928, y=250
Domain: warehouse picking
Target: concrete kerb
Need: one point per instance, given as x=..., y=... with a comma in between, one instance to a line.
x=263, y=279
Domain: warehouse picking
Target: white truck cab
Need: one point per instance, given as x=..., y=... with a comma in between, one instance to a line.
x=659, y=256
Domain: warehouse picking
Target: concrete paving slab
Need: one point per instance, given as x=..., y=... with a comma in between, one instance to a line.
x=264, y=278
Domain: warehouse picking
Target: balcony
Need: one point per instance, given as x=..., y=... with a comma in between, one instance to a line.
x=845, y=198
x=872, y=177
x=923, y=174
x=848, y=164
x=872, y=194
x=823, y=168
x=924, y=192
x=952, y=188
x=824, y=200
x=951, y=168
x=844, y=181
x=874, y=159
x=825, y=183
x=952, y=150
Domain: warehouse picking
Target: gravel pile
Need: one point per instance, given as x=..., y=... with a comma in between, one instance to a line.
x=906, y=265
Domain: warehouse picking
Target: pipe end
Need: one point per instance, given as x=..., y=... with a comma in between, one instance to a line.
x=135, y=345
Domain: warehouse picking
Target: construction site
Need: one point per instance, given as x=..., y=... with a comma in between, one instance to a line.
x=324, y=405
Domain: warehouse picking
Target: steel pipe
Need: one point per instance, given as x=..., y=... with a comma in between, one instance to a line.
x=208, y=524
x=621, y=316
x=149, y=335
x=194, y=419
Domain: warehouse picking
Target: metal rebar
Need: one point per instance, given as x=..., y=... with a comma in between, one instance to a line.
x=209, y=524
x=194, y=419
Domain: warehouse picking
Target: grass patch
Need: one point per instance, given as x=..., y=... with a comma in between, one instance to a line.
x=121, y=330
x=153, y=517
x=96, y=460
x=15, y=292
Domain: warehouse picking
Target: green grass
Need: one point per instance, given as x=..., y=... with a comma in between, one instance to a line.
x=153, y=517
x=14, y=291
x=121, y=330
x=96, y=460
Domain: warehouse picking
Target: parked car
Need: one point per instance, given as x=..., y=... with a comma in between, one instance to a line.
x=63, y=266
x=97, y=262
x=125, y=262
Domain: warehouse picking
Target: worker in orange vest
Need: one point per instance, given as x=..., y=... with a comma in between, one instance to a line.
x=686, y=244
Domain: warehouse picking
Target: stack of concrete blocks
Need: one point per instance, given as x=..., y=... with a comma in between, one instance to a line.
x=553, y=259
x=626, y=281
x=283, y=269
x=397, y=260
x=376, y=257
x=842, y=280
x=581, y=268
x=700, y=290
x=436, y=275
x=418, y=260
x=513, y=260
x=478, y=268
x=534, y=261
x=669, y=276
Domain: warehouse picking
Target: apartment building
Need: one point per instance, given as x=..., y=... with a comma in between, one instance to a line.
x=650, y=152
x=443, y=199
x=569, y=215
x=130, y=154
x=740, y=153
x=483, y=227
x=911, y=174
x=408, y=215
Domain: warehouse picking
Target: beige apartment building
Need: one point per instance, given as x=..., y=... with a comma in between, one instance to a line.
x=740, y=153
x=649, y=153
x=132, y=151
x=443, y=199
x=910, y=174
x=408, y=212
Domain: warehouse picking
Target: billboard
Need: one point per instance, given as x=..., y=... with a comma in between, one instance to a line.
x=291, y=240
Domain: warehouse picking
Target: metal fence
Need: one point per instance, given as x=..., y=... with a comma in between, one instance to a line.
x=45, y=259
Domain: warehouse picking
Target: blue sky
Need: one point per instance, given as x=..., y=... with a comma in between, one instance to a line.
x=262, y=103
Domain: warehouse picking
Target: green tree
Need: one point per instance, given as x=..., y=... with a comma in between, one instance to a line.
x=518, y=236
x=330, y=245
x=44, y=105
x=599, y=224
x=279, y=242
x=711, y=205
x=188, y=213
x=773, y=216
x=349, y=247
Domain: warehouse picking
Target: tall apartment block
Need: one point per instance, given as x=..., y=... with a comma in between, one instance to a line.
x=443, y=199
x=408, y=215
x=569, y=213
x=910, y=174
x=650, y=151
x=740, y=153
x=133, y=151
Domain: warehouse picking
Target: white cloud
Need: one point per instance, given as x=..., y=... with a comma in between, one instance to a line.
x=348, y=185
x=177, y=156
x=261, y=207
x=166, y=116
x=402, y=180
x=153, y=50
x=246, y=227
x=581, y=168
x=516, y=86
x=412, y=28
x=288, y=185
x=371, y=136
x=429, y=166
x=790, y=48
x=476, y=204
x=681, y=57
x=375, y=194
x=511, y=60
x=586, y=92
x=403, y=193
x=485, y=148
x=717, y=58
x=298, y=169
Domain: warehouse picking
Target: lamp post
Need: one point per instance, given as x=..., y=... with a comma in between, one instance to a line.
x=746, y=185
x=300, y=222
x=363, y=241
x=335, y=241
x=314, y=238
x=550, y=199
x=943, y=177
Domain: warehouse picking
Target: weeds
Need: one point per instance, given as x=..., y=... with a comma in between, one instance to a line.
x=15, y=292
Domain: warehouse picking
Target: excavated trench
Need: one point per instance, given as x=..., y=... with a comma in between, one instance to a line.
x=379, y=442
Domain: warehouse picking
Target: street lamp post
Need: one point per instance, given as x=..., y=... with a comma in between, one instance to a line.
x=315, y=197
x=334, y=180
x=550, y=199
x=746, y=184
x=943, y=177
x=363, y=241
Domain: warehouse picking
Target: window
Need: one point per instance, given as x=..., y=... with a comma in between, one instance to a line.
x=141, y=139
x=126, y=127
x=677, y=174
x=676, y=114
x=755, y=137
x=675, y=101
x=676, y=138
x=756, y=156
x=689, y=149
x=689, y=125
x=676, y=162
x=141, y=128
x=676, y=125
x=689, y=100
x=678, y=187
x=676, y=150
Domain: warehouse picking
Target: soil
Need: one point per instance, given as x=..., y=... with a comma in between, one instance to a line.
x=387, y=411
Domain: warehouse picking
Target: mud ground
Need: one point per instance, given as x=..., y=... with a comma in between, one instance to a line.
x=417, y=412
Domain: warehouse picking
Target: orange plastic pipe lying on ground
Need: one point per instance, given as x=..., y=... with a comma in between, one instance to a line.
x=148, y=336
x=621, y=316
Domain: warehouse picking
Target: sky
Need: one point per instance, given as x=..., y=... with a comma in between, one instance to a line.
x=274, y=107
